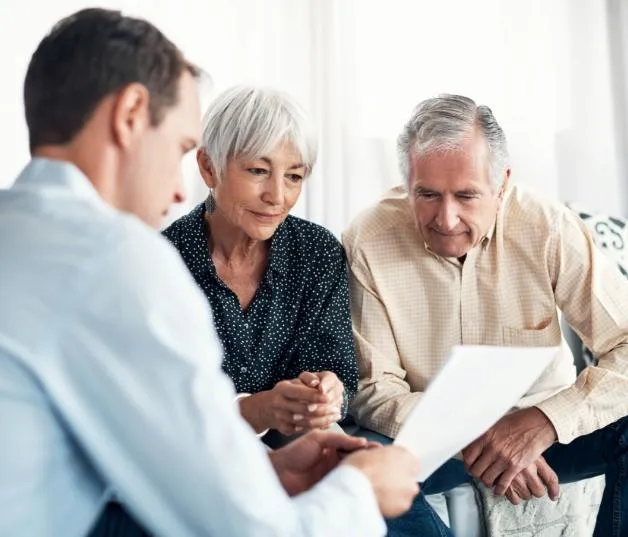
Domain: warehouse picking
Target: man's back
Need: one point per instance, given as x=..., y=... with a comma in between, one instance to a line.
x=95, y=353
x=48, y=239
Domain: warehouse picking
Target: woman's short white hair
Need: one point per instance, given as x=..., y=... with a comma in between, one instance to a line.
x=442, y=123
x=251, y=122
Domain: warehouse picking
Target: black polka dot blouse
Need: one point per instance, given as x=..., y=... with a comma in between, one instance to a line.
x=299, y=319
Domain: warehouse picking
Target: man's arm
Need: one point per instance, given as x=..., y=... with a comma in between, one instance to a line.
x=138, y=381
x=593, y=295
x=384, y=398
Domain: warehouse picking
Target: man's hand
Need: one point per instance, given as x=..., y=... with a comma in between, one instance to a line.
x=283, y=408
x=329, y=384
x=512, y=444
x=304, y=462
x=535, y=480
x=392, y=471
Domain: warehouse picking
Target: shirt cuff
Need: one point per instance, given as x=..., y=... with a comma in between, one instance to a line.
x=562, y=411
x=346, y=497
x=344, y=407
x=236, y=400
x=389, y=420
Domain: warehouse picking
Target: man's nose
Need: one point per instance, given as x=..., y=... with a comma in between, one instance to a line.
x=447, y=218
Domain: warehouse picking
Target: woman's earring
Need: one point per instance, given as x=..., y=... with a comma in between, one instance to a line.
x=210, y=202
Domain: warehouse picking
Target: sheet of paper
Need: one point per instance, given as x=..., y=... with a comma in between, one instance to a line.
x=476, y=386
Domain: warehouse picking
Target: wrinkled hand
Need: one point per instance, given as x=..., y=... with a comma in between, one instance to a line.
x=283, y=408
x=535, y=480
x=304, y=462
x=512, y=444
x=328, y=384
x=392, y=471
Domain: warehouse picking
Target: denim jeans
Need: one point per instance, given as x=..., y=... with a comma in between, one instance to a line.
x=603, y=452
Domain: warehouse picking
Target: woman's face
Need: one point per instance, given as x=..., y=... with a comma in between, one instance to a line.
x=256, y=195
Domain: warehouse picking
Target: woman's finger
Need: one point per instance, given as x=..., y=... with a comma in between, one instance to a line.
x=309, y=379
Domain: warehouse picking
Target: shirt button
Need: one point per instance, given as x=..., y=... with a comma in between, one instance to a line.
x=243, y=369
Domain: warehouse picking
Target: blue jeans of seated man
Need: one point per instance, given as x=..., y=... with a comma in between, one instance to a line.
x=603, y=452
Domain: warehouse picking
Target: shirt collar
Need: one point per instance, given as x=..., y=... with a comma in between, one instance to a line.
x=499, y=219
x=489, y=235
x=278, y=256
x=57, y=174
x=195, y=238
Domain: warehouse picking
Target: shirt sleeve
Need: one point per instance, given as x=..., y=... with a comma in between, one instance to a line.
x=384, y=398
x=326, y=339
x=137, y=378
x=593, y=295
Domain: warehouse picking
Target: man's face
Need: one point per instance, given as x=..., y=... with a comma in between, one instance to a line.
x=153, y=171
x=453, y=200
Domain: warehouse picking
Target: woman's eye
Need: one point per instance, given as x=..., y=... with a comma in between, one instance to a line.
x=257, y=171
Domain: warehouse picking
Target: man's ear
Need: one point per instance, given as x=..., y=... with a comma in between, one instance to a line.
x=131, y=114
x=206, y=168
x=504, y=187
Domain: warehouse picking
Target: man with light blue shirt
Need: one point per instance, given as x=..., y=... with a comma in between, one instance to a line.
x=115, y=417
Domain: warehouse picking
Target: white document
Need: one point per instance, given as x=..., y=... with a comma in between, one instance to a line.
x=475, y=388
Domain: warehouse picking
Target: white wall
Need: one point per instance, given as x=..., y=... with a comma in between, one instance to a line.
x=543, y=66
x=361, y=65
x=499, y=52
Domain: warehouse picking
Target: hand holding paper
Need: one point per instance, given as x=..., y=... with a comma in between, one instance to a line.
x=475, y=388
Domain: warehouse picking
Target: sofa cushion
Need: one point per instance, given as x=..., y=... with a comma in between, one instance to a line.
x=574, y=513
x=610, y=234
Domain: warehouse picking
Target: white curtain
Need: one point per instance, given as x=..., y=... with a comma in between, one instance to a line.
x=590, y=151
x=361, y=65
x=617, y=17
x=307, y=48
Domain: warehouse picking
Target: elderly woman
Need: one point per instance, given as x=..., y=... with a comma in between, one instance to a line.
x=277, y=284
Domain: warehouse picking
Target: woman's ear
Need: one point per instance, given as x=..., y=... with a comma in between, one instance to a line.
x=206, y=168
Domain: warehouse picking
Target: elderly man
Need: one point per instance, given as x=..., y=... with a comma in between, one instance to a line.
x=459, y=256
x=110, y=379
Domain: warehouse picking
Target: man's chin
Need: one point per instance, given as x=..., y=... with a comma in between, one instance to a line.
x=449, y=250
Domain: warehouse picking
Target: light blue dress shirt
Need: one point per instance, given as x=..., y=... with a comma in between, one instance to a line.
x=110, y=380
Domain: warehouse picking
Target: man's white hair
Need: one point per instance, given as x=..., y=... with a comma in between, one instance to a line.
x=251, y=122
x=443, y=123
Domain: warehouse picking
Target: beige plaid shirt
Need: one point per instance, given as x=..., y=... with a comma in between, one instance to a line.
x=409, y=307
